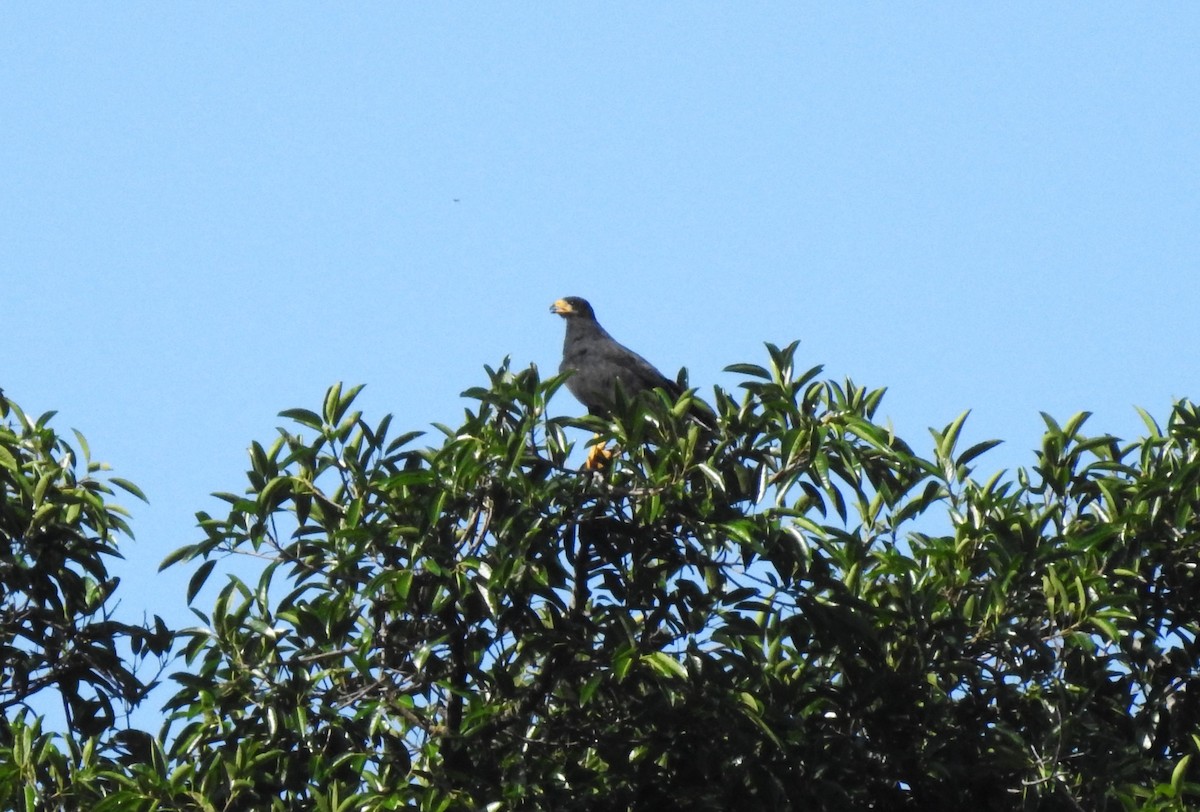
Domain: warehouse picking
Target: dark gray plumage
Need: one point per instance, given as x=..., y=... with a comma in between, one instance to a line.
x=599, y=362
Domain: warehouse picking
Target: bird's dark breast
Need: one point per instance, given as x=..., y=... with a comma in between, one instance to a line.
x=593, y=381
x=587, y=389
x=598, y=364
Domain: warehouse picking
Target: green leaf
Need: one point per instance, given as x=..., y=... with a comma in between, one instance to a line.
x=7, y=460
x=1151, y=425
x=196, y=583
x=1107, y=628
x=665, y=665
x=126, y=485
x=1179, y=773
x=753, y=370
x=1051, y=424
x=712, y=476
x=947, y=439
x=83, y=444
x=1075, y=423
x=181, y=554
x=622, y=662
x=304, y=417
x=588, y=689
x=333, y=398
x=975, y=451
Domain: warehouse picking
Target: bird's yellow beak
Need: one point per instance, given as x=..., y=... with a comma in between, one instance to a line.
x=561, y=308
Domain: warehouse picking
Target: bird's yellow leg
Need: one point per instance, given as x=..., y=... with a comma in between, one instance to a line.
x=598, y=456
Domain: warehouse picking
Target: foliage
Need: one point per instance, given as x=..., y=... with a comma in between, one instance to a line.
x=59, y=642
x=792, y=609
x=747, y=618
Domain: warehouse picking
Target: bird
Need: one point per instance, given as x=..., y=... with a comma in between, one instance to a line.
x=598, y=363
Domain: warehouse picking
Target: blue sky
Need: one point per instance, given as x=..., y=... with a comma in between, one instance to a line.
x=211, y=213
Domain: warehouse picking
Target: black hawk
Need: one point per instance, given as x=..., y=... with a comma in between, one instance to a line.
x=598, y=363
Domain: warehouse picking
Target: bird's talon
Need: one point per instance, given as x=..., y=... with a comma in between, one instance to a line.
x=598, y=457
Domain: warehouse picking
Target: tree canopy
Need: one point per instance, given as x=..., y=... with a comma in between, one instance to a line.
x=791, y=609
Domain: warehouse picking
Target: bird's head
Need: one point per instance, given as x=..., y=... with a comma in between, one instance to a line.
x=573, y=307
